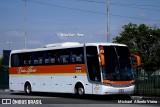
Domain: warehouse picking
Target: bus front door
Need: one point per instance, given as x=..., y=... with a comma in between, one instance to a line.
x=94, y=69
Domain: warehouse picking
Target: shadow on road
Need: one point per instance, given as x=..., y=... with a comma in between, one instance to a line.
x=72, y=96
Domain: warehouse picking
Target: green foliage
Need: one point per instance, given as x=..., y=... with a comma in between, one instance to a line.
x=143, y=41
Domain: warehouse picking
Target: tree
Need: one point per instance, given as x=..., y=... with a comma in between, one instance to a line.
x=143, y=41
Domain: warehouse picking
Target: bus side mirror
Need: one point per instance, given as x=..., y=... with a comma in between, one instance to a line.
x=102, y=59
x=138, y=59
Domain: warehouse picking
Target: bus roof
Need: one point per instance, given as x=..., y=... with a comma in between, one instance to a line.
x=66, y=45
x=103, y=43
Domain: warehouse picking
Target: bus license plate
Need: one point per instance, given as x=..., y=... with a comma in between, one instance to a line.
x=121, y=90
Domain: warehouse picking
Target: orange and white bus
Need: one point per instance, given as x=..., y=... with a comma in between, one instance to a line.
x=90, y=68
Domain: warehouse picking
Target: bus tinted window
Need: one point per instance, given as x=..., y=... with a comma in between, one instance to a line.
x=38, y=58
x=63, y=56
x=50, y=57
x=15, y=60
x=77, y=55
x=26, y=59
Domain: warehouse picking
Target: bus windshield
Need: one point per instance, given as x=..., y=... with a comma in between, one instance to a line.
x=118, y=64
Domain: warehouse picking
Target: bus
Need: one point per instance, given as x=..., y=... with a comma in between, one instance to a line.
x=71, y=67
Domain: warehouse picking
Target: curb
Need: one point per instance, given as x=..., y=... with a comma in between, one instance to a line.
x=151, y=98
x=5, y=90
x=145, y=98
x=136, y=97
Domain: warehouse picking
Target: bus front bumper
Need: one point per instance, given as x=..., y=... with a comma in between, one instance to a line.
x=117, y=90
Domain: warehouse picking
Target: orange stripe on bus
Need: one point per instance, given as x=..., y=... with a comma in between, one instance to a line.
x=46, y=69
x=118, y=82
x=50, y=74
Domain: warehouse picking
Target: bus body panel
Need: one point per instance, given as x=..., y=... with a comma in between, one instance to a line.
x=55, y=78
x=60, y=84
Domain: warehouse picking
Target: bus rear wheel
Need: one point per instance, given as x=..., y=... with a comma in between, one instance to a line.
x=28, y=88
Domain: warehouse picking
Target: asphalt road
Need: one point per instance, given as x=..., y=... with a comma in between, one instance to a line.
x=67, y=100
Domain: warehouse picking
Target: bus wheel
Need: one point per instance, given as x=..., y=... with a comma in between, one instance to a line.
x=28, y=88
x=80, y=91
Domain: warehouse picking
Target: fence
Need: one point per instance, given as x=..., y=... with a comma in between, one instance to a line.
x=4, y=77
x=148, y=83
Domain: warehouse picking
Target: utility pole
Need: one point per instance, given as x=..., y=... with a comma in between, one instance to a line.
x=108, y=26
x=25, y=25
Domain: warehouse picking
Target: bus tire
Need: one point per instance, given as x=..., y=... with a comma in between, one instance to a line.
x=28, y=88
x=79, y=91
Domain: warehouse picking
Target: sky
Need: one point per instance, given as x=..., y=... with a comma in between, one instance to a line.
x=46, y=20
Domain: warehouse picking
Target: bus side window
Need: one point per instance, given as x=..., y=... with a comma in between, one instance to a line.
x=15, y=60
x=47, y=61
x=64, y=56
x=50, y=57
x=40, y=61
x=25, y=62
x=77, y=55
x=37, y=58
x=78, y=59
x=26, y=59
x=36, y=62
x=73, y=59
x=53, y=60
x=30, y=62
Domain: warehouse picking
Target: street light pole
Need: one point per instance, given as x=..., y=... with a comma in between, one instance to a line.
x=108, y=27
x=25, y=25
